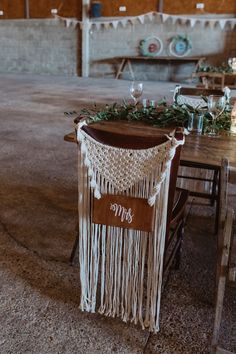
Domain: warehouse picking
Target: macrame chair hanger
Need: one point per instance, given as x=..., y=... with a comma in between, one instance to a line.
x=121, y=268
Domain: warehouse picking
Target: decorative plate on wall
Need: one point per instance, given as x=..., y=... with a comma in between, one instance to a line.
x=151, y=46
x=180, y=46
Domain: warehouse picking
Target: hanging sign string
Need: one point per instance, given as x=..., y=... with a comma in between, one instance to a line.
x=160, y=17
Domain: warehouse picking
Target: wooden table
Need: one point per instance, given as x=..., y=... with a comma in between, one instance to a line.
x=210, y=150
x=206, y=153
x=127, y=60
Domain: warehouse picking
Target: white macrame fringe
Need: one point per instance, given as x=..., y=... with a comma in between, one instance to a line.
x=122, y=268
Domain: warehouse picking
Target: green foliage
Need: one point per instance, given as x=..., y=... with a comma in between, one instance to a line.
x=223, y=68
x=163, y=115
x=222, y=123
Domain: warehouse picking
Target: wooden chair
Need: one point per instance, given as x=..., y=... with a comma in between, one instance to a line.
x=138, y=238
x=226, y=263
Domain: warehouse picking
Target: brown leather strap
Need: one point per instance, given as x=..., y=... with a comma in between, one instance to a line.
x=123, y=140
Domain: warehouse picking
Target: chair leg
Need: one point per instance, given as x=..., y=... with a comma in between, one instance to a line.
x=217, y=213
x=180, y=234
x=214, y=187
x=222, y=275
x=178, y=258
x=72, y=256
x=146, y=342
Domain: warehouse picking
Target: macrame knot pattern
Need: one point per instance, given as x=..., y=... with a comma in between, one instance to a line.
x=123, y=168
x=194, y=102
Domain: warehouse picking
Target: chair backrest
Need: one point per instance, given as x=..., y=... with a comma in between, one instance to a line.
x=142, y=142
x=193, y=96
x=195, y=91
x=121, y=176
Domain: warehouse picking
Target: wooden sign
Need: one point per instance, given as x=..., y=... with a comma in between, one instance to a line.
x=123, y=211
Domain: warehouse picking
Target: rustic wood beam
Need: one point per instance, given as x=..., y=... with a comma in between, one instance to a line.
x=161, y=6
x=27, y=14
x=85, y=37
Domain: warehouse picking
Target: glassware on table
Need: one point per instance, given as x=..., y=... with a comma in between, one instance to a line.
x=195, y=123
x=153, y=103
x=145, y=103
x=232, y=63
x=216, y=105
x=136, y=91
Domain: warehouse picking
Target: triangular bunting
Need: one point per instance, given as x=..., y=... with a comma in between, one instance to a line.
x=123, y=23
x=183, y=20
x=212, y=23
x=192, y=22
x=165, y=17
x=115, y=24
x=162, y=17
x=132, y=20
x=222, y=24
x=174, y=19
x=74, y=23
x=68, y=22
x=141, y=19
x=150, y=16
x=232, y=24
x=106, y=25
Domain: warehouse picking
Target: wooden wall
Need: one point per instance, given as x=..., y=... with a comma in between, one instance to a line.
x=189, y=6
x=12, y=9
x=72, y=8
x=40, y=8
x=138, y=7
x=133, y=7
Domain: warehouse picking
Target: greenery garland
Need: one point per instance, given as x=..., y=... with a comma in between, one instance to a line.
x=163, y=115
x=223, y=68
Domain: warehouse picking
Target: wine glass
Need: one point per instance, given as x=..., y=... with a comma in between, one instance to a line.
x=216, y=105
x=232, y=63
x=136, y=91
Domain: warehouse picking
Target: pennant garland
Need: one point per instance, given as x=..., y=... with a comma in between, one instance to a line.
x=161, y=17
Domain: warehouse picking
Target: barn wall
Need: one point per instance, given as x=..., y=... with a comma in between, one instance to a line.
x=215, y=44
x=46, y=46
x=39, y=47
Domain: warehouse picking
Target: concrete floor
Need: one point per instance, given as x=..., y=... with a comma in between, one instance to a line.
x=39, y=296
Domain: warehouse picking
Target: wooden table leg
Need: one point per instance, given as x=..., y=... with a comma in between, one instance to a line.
x=198, y=64
x=222, y=82
x=130, y=69
x=121, y=68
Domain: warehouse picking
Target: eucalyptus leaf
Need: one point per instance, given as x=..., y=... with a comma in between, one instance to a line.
x=164, y=115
